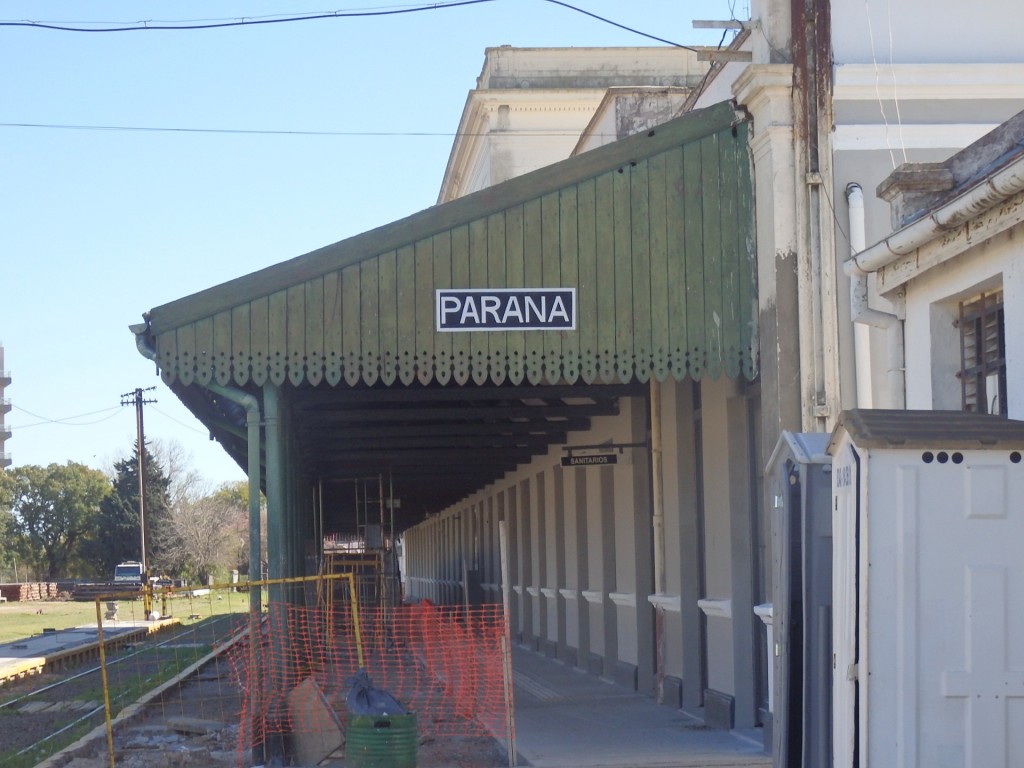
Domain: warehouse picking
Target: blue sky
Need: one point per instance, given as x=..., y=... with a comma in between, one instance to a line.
x=98, y=226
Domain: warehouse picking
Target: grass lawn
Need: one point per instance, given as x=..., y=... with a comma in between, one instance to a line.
x=25, y=619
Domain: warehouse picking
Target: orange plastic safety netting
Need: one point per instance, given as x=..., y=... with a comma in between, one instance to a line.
x=448, y=665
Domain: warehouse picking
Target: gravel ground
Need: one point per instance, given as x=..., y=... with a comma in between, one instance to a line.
x=194, y=725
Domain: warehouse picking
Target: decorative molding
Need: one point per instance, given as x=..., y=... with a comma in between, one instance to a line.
x=623, y=599
x=569, y=594
x=856, y=136
x=942, y=82
x=720, y=608
x=765, y=612
x=533, y=591
x=517, y=589
x=719, y=710
x=594, y=597
x=548, y=592
x=667, y=602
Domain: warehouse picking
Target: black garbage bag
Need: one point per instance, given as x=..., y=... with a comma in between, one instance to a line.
x=364, y=699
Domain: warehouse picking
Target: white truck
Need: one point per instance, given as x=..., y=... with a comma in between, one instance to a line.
x=129, y=573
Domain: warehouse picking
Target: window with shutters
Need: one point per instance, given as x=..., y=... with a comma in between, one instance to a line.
x=983, y=354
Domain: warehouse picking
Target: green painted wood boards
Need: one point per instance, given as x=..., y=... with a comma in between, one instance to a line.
x=654, y=232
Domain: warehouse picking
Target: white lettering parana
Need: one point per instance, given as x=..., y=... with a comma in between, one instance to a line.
x=505, y=309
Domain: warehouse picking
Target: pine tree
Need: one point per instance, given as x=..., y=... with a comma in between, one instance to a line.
x=119, y=534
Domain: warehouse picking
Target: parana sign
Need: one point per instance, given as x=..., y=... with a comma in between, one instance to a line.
x=505, y=309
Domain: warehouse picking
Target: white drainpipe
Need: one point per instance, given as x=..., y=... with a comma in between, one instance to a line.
x=866, y=318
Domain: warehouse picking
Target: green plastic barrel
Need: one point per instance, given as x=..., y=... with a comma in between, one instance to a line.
x=381, y=741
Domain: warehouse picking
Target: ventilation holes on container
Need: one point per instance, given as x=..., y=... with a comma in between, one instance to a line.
x=1015, y=457
x=958, y=458
x=943, y=457
x=927, y=457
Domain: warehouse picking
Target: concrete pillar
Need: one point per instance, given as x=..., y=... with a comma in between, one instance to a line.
x=542, y=559
x=515, y=559
x=643, y=579
x=606, y=501
x=559, y=581
x=766, y=91
x=743, y=511
x=580, y=543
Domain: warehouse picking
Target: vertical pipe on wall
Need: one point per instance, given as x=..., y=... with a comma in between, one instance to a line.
x=861, y=332
x=863, y=316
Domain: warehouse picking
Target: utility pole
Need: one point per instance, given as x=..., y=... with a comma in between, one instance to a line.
x=136, y=398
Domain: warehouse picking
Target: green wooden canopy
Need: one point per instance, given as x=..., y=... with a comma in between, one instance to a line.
x=654, y=233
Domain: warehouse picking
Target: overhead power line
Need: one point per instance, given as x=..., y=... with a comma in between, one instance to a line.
x=151, y=25
x=245, y=21
x=268, y=132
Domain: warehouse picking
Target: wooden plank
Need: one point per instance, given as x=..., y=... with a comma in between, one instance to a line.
x=724, y=54
x=222, y=348
x=186, y=356
x=702, y=24
x=748, y=282
x=606, y=313
x=369, y=321
x=497, y=367
x=277, y=336
x=405, y=298
x=478, y=271
x=533, y=276
x=586, y=295
x=424, y=306
x=315, y=357
x=676, y=193
x=713, y=304
x=640, y=243
x=689, y=128
x=295, y=333
x=693, y=245
x=515, y=277
x=622, y=218
x=387, y=314
x=551, y=277
x=461, y=351
x=351, y=335
x=333, y=358
x=167, y=354
x=442, y=254
x=203, y=350
x=568, y=237
x=259, y=327
x=729, y=231
x=659, y=285
x=241, y=348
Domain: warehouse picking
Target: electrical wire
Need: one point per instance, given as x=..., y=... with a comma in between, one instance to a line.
x=178, y=421
x=241, y=22
x=144, y=26
x=65, y=421
x=268, y=132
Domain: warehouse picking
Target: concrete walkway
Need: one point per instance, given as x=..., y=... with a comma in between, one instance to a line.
x=565, y=717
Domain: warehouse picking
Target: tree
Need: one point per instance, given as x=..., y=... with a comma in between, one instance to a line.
x=205, y=535
x=183, y=480
x=56, y=508
x=237, y=494
x=118, y=528
x=12, y=542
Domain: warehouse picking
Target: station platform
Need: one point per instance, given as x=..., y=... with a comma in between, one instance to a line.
x=565, y=717
x=53, y=650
